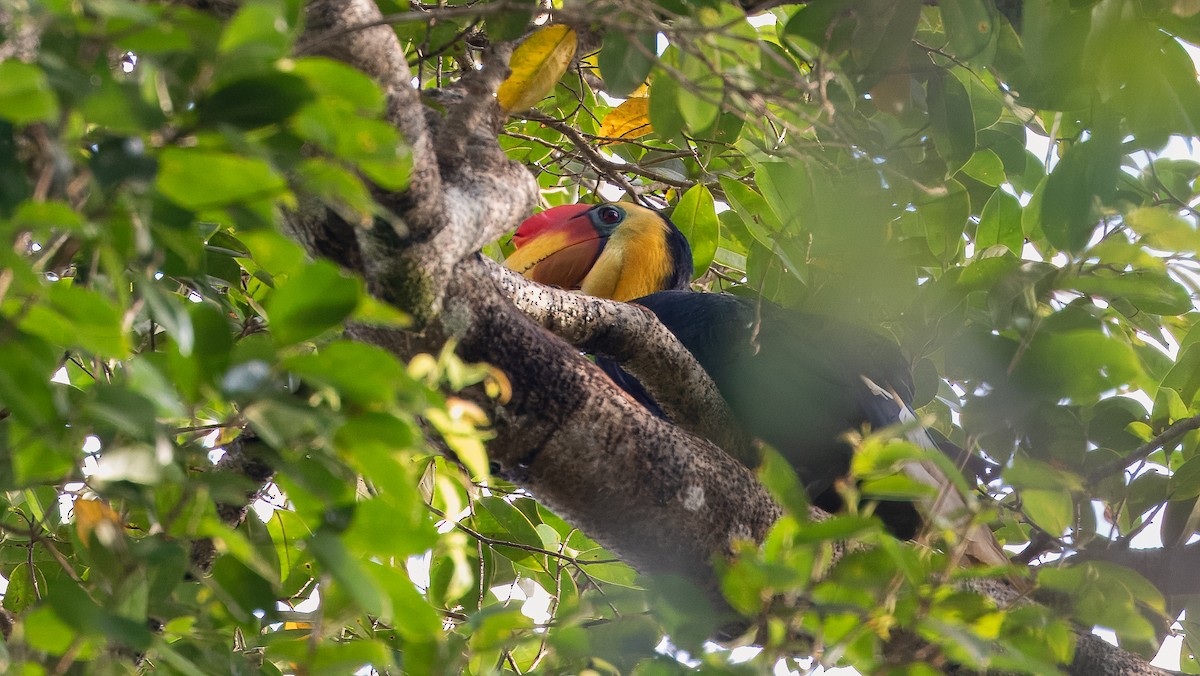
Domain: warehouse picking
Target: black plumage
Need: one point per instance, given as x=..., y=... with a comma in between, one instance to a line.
x=793, y=380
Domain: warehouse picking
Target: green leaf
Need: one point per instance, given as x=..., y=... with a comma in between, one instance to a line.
x=625, y=61
x=313, y=301
x=1152, y=292
x=412, y=615
x=168, y=311
x=1181, y=519
x=624, y=641
x=343, y=190
x=24, y=581
x=1185, y=481
x=244, y=590
x=785, y=187
x=1108, y=595
x=665, y=117
x=985, y=166
x=382, y=527
x=1000, y=224
x=1184, y=376
x=700, y=101
x=78, y=317
x=696, y=217
x=752, y=207
x=841, y=527
x=498, y=518
x=124, y=410
x=336, y=83
x=362, y=374
x=73, y=605
x=198, y=179
x=1164, y=229
x=255, y=101
x=1087, y=173
x=374, y=146
x=349, y=574
x=951, y=121
x=1076, y=364
x=258, y=33
x=25, y=94
x=944, y=220
x=884, y=36
x=46, y=217
x=511, y=24
x=779, y=476
x=969, y=28
x=1052, y=511
x=46, y=632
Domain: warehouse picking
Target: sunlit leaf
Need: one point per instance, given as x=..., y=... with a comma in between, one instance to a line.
x=629, y=120
x=1000, y=223
x=1052, y=511
x=537, y=64
x=95, y=516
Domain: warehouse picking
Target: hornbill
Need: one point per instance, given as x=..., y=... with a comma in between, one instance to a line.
x=797, y=381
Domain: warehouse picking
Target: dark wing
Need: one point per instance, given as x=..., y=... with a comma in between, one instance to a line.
x=630, y=384
x=792, y=379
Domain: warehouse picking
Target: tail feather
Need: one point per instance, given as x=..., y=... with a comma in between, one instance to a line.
x=949, y=506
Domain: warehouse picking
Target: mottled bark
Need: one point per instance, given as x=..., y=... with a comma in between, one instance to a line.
x=21, y=33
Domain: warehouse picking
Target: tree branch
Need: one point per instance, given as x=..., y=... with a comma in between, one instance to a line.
x=1173, y=570
x=461, y=195
x=635, y=338
x=1168, y=436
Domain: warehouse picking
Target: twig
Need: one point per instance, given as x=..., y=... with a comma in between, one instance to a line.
x=1168, y=436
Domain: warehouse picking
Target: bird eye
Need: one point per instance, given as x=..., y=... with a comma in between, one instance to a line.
x=610, y=215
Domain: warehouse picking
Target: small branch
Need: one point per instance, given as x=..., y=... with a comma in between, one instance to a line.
x=1168, y=436
x=614, y=171
x=493, y=542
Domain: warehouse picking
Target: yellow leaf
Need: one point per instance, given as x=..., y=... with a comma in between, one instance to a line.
x=461, y=409
x=95, y=515
x=537, y=64
x=628, y=120
x=498, y=386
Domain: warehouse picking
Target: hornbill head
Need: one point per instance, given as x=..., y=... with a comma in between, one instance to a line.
x=620, y=251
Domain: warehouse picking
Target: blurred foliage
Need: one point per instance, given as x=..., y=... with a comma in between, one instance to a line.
x=865, y=158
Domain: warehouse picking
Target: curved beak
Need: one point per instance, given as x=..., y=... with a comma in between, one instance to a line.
x=558, y=246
